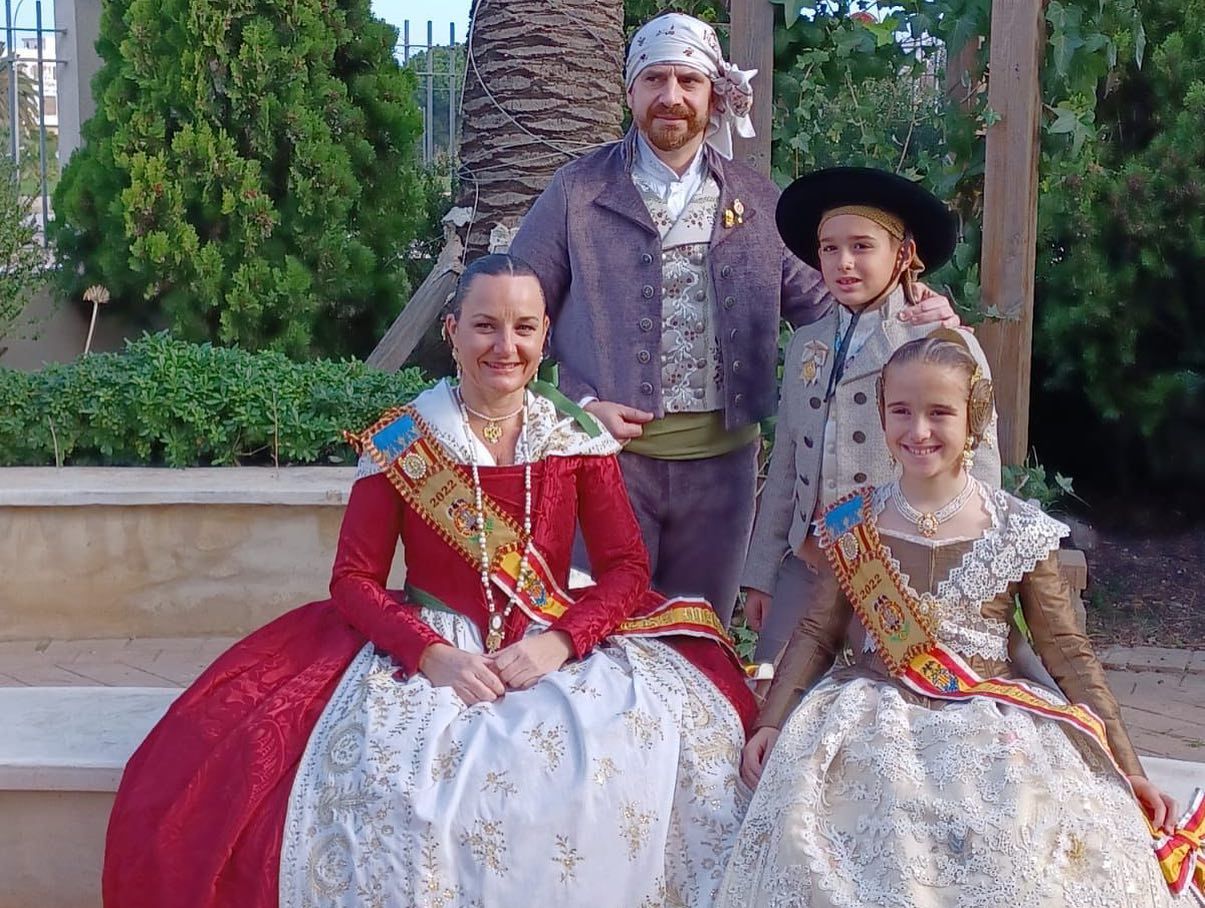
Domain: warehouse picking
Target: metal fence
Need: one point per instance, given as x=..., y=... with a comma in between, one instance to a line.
x=29, y=108
x=440, y=70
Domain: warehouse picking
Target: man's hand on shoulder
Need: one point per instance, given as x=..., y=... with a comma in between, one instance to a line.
x=931, y=308
x=623, y=422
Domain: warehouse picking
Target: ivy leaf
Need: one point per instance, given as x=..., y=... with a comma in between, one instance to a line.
x=791, y=9
x=1066, y=121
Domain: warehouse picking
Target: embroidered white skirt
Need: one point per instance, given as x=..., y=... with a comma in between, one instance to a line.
x=612, y=782
x=869, y=800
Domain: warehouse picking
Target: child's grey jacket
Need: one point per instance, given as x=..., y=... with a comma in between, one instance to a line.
x=859, y=451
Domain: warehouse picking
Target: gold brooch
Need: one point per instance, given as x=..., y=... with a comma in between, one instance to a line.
x=815, y=355
x=414, y=466
x=735, y=215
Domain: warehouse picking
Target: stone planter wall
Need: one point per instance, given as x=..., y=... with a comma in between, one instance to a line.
x=131, y=552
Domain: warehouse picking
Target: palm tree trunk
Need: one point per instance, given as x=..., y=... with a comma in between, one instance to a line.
x=543, y=85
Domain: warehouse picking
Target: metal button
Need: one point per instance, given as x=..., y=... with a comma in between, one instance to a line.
x=859, y=398
x=646, y=259
x=738, y=398
x=646, y=388
x=832, y=484
x=646, y=324
x=643, y=356
x=736, y=365
x=732, y=334
x=729, y=302
x=859, y=477
x=814, y=403
x=859, y=436
x=647, y=292
x=726, y=271
x=700, y=295
x=807, y=441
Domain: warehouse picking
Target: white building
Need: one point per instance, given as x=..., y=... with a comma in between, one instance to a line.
x=27, y=62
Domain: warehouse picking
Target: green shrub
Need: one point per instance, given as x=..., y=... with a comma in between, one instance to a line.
x=165, y=401
x=1031, y=481
x=870, y=89
x=1119, y=341
x=250, y=175
x=21, y=256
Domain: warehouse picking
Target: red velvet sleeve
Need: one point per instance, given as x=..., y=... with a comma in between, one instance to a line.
x=367, y=543
x=617, y=555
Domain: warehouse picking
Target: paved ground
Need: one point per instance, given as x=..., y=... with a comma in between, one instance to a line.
x=1162, y=691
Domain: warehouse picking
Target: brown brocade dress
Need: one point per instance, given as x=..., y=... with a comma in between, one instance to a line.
x=876, y=796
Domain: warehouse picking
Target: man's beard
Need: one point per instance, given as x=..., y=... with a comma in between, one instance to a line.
x=671, y=138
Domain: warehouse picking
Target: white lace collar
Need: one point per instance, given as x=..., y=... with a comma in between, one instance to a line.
x=1020, y=536
x=550, y=434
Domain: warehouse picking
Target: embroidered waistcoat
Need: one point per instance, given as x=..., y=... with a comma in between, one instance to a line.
x=692, y=372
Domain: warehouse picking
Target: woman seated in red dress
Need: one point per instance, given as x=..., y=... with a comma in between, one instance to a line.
x=482, y=737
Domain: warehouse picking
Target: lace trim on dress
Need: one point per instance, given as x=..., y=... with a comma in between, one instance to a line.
x=549, y=433
x=1020, y=536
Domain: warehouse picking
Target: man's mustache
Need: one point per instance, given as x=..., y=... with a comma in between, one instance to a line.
x=679, y=110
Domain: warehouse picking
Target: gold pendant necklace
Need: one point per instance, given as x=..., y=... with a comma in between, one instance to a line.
x=927, y=522
x=492, y=430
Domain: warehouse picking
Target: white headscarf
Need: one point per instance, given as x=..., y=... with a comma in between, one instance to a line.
x=683, y=40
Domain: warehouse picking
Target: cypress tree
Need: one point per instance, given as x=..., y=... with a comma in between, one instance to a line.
x=250, y=175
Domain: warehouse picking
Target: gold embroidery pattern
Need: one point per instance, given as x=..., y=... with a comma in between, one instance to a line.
x=549, y=743
x=645, y=728
x=446, y=764
x=343, y=753
x=434, y=891
x=397, y=857
x=635, y=830
x=330, y=870
x=487, y=842
x=581, y=687
x=498, y=783
x=604, y=770
x=568, y=857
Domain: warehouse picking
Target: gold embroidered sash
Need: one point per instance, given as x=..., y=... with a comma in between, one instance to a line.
x=403, y=446
x=902, y=625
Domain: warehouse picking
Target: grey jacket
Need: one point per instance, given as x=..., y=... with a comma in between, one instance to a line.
x=789, y=497
x=591, y=240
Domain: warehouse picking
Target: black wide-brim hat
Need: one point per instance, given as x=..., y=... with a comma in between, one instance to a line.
x=802, y=204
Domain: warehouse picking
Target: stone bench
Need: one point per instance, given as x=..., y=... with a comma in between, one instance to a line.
x=61, y=758
x=62, y=753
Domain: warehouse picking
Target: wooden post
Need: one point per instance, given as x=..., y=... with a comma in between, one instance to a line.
x=422, y=310
x=1010, y=216
x=751, y=45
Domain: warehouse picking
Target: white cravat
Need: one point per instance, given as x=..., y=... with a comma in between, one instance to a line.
x=675, y=191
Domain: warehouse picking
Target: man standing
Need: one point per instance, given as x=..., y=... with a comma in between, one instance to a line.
x=666, y=280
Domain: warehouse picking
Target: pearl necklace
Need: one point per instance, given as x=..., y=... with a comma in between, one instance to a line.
x=497, y=617
x=492, y=430
x=927, y=522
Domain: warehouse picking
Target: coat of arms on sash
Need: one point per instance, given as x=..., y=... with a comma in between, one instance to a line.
x=815, y=355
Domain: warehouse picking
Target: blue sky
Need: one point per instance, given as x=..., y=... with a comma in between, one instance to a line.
x=25, y=14
x=440, y=12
